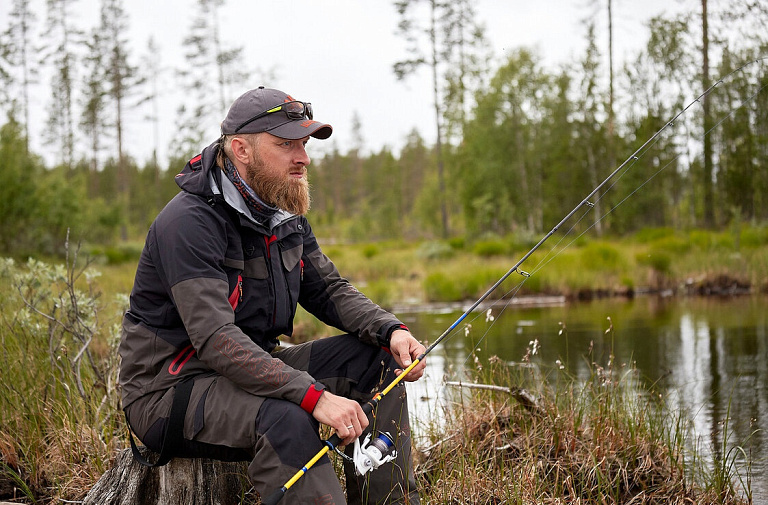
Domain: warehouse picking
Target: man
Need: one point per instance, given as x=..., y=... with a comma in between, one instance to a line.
x=222, y=271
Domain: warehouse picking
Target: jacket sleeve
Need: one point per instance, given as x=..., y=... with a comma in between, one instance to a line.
x=335, y=301
x=190, y=251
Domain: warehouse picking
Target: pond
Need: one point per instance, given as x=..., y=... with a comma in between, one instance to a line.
x=708, y=355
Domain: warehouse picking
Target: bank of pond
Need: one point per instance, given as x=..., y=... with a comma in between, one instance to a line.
x=596, y=430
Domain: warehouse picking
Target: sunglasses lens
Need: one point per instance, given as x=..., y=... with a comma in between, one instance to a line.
x=295, y=110
x=298, y=110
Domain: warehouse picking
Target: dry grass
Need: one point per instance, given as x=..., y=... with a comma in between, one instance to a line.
x=599, y=442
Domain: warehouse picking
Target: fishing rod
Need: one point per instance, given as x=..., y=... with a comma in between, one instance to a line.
x=380, y=449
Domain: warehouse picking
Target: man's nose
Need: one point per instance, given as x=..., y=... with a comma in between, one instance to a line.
x=302, y=158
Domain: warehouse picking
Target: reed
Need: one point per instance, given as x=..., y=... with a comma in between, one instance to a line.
x=525, y=434
x=58, y=405
x=600, y=437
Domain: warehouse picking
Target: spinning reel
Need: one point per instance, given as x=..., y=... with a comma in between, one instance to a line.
x=371, y=454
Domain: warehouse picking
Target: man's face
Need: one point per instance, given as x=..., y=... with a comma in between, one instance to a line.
x=278, y=172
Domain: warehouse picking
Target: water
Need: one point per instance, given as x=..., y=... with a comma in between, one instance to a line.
x=709, y=355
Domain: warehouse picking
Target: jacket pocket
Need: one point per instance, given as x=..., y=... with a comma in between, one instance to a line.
x=291, y=257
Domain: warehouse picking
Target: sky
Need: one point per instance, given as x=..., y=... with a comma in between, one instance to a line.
x=338, y=55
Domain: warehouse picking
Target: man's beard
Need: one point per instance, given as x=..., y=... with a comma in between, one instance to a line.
x=281, y=191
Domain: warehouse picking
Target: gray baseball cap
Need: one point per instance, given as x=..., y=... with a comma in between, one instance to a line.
x=270, y=110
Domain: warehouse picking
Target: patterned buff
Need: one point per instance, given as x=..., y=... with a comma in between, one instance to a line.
x=260, y=211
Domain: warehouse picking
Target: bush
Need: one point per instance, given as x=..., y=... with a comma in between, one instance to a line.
x=441, y=288
x=601, y=256
x=673, y=245
x=435, y=251
x=370, y=250
x=488, y=248
x=754, y=236
x=659, y=261
x=59, y=416
x=648, y=235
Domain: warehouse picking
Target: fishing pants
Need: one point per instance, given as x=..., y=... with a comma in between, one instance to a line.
x=278, y=437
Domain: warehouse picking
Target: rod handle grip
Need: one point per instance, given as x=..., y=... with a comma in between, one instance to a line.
x=274, y=497
x=333, y=441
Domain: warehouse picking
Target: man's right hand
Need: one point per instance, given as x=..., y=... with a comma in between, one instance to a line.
x=342, y=414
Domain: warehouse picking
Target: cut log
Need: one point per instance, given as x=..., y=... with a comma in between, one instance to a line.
x=180, y=482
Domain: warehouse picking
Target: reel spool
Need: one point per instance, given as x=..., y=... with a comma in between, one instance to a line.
x=371, y=455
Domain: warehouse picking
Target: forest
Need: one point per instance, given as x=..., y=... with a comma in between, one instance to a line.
x=679, y=128
x=518, y=143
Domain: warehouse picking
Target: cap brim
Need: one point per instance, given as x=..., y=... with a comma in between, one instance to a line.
x=293, y=130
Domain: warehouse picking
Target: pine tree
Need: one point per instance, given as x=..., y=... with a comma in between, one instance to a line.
x=16, y=61
x=211, y=73
x=62, y=38
x=94, y=100
x=449, y=31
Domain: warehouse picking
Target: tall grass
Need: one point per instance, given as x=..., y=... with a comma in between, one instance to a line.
x=58, y=404
x=586, y=439
x=518, y=434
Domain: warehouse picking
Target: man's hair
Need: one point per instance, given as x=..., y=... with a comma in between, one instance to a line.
x=225, y=145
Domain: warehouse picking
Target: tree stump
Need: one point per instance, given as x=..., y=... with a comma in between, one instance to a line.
x=180, y=482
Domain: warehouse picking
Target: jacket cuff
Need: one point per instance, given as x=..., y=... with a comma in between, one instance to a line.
x=312, y=396
x=386, y=333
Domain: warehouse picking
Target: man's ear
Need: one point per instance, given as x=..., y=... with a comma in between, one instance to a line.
x=241, y=150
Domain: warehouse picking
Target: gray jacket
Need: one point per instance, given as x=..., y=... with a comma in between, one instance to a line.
x=214, y=289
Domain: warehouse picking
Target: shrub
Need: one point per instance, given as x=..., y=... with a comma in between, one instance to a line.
x=601, y=256
x=648, y=235
x=672, y=245
x=370, y=250
x=441, y=288
x=754, y=236
x=487, y=248
x=435, y=251
x=659, y=261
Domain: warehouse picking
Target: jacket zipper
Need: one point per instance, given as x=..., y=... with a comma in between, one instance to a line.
x=268, y=242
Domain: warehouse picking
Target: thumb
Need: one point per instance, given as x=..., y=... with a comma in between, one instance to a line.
x=405, y=358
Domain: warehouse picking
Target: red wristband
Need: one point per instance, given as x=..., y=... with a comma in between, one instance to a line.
x=312, y=396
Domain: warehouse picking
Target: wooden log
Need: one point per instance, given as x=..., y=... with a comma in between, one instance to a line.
x=180, y=482
x=523, y=397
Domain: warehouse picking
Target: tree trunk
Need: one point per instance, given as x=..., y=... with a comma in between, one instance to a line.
x=180, y=482
x=708, y=176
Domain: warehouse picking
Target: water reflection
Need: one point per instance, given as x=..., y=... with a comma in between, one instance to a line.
x=709, y=356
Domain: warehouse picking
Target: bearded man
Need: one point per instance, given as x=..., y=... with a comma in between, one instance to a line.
x=223, y=268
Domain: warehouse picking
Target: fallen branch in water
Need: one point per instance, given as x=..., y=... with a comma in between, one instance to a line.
x=523, y=397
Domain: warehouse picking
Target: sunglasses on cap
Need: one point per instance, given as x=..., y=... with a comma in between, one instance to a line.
x=294, y=110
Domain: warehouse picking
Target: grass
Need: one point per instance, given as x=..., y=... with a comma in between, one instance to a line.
x=530, y=436
x=59, y=421
x=603, y=440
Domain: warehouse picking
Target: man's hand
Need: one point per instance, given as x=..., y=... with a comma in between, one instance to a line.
x=344, y=415
x=405, y=348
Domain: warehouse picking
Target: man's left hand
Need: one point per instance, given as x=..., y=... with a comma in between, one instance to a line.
x=405, y=349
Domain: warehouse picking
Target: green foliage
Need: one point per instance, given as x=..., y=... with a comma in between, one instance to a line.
x=672, y=245
x=440, y=287
x=370, y=250
x=118, y=255
x=457, y=243
x=601, y=256
x=659, y=260
x=60, y=411
x=433, y=250
x=754, y=236
x=487, y=248
x=648, y=235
